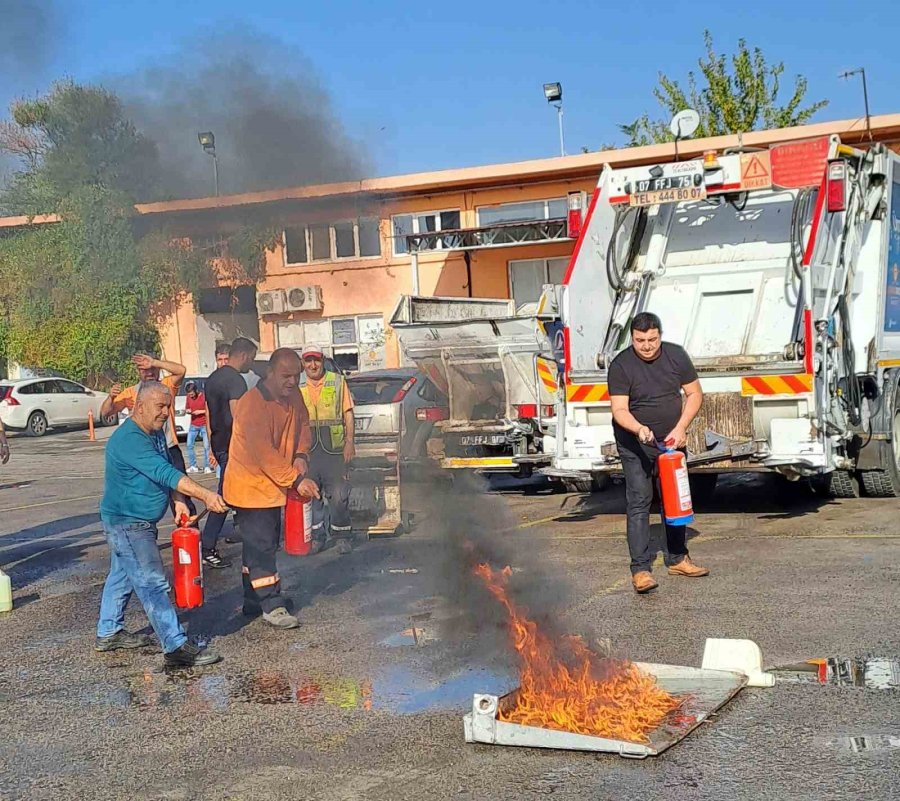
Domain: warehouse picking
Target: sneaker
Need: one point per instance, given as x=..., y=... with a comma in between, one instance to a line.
x=212, y=558
x=190, y=655
x=280, y=618
x=122, y=641
x=193, y=469
x=208, y=470
x=344, y=546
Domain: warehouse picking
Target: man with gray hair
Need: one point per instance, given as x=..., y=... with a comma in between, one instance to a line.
x=138, y=481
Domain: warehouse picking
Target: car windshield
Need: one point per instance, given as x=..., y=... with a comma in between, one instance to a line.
x=369, y=391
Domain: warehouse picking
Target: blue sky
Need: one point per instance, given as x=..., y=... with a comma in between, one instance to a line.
x=435, y=85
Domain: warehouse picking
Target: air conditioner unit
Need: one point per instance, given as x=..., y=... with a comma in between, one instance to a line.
x=304, y=298
x=271, y=302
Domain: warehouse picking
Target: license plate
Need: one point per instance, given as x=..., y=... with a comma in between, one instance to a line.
x=482, y=439
x=361, y=423
x=667, y=196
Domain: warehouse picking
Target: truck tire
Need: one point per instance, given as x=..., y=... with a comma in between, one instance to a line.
x=836, y=484
x=885, y=483
x=879, y=484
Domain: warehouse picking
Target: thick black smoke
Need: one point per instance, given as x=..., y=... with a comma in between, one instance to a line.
x=30, y=34
x=273, y=121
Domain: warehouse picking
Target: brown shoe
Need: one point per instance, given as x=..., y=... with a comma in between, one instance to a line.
x=687, y=568
x=643, y=582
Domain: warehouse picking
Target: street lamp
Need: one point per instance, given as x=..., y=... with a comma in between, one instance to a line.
x=861, y=71
x=207, y=141
x=553, y=94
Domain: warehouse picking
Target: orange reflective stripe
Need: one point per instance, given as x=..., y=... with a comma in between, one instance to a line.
x=547, y=374
x=265, y=581
x=587, y=393
x=791, y=384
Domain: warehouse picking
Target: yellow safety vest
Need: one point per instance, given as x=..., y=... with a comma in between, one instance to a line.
x=325, y=415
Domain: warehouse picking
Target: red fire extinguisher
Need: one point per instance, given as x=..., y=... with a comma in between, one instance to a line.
x=186, y=566
x=675, y=488
x=297, y=524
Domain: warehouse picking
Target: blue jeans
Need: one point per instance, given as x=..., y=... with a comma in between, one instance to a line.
x=193, y=433
x=136, y=566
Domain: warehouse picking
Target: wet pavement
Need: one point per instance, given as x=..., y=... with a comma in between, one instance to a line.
x=365, y=700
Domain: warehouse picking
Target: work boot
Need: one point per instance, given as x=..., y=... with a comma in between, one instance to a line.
x=643, y=582
x=212, y=558
x=687, y=568
x=280, y=618
x=344, y=546
x=122, y=641
x=191, y=655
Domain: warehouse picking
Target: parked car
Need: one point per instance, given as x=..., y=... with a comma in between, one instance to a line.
x=395, y=403
x=34, y=405
x=182, y=418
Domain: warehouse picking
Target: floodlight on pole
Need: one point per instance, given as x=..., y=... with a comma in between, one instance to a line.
x=207, y=141
x=861, y=71
x=553, y=95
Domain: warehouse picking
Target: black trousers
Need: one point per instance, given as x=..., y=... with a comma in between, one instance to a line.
x=261, y=533
x=640, y=476
x=177, y=459
x=215, y=520
x=329, y=471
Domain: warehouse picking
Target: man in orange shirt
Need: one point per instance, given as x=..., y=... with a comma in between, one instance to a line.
x=120, y=398
x=268, y=455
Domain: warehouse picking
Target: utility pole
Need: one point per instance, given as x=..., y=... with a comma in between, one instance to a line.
x=861, y=71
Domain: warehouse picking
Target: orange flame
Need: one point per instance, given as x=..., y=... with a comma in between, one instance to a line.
x=566, y=686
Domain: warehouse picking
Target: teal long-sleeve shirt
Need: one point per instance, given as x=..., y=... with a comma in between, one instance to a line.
x=139, y=477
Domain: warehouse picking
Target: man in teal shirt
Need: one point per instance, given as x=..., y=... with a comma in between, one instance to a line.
x=138, y=483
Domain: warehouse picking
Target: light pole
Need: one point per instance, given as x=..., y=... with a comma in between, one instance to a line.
x=208, y=143
x=553, y=94
x=850, y=74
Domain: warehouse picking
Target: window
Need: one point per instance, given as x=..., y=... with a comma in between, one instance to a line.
x=348, y=239
x=425, y=223
x=355, y=343
x=528, y=211
x=72, y=387
x=528, y=276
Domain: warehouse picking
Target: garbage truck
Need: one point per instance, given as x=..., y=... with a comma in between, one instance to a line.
x=495, y=365
x=778, y=270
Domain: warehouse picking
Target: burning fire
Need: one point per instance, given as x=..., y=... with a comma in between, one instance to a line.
x=566, y=686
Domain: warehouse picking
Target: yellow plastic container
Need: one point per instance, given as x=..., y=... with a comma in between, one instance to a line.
x=5, y=593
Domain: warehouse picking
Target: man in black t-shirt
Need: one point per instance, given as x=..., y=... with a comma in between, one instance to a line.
x=645, y=386
x=223, y=389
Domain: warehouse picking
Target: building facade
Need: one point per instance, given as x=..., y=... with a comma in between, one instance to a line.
x=347, y=252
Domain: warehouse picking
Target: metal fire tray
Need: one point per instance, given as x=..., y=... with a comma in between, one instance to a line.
x=706, y=691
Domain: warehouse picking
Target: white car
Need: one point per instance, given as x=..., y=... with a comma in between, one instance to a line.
x=34, y=405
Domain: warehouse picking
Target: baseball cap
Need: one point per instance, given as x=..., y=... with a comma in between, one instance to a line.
x=310, y=350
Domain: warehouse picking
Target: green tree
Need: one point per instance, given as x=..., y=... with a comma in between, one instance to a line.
x=82, y=294
x=742, y=98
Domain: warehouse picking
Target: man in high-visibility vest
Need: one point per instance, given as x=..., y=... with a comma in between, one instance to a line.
x=331, y=418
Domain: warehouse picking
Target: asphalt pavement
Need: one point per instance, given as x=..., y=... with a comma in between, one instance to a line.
x=365, y=700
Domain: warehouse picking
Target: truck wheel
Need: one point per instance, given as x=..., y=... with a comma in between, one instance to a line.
x=836, y=484
x=578, y=485
x=885, y=483
x=36, y=425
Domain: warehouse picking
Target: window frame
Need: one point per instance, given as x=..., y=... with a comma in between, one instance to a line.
x=546, y=201
x=415, y=225
x=545, y=259
x=332, y=242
